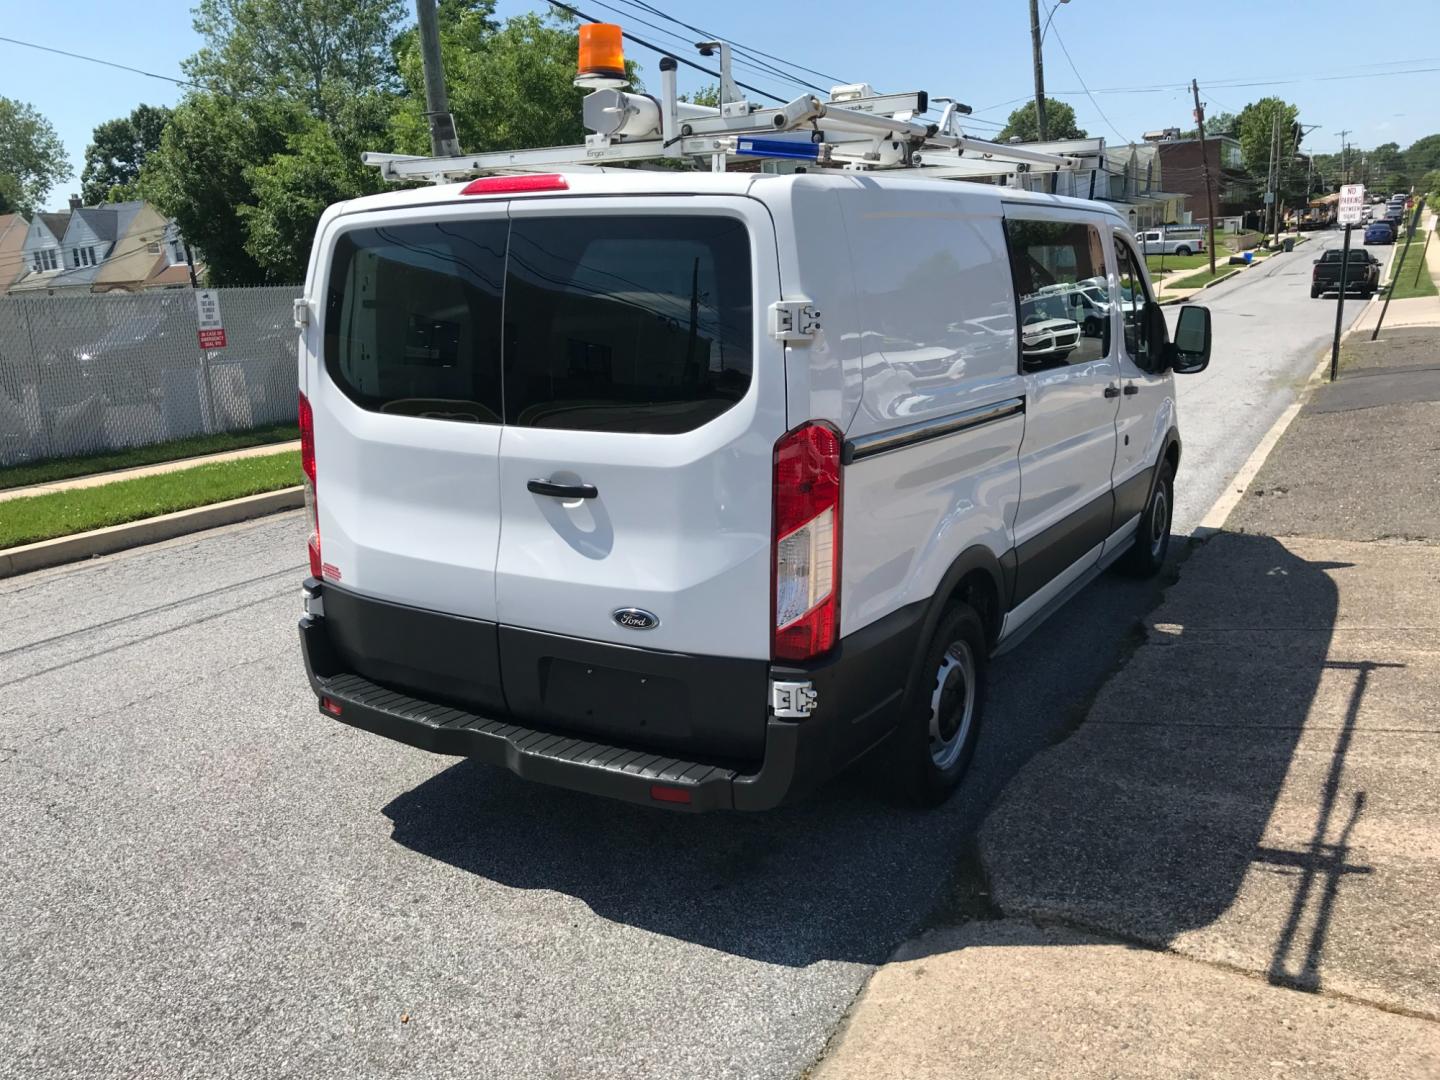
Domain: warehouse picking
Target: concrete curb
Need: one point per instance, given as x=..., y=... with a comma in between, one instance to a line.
x=67, y=549
x=1209, y=284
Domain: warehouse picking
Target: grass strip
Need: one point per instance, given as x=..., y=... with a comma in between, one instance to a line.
x=1195, y=281
x=64, y=513
x=53, y=469
x=1171, y=263
x=1412, y=276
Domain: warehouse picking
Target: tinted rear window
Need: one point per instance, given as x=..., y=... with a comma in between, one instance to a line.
x=616, y=323
x=626, y=323
x=412, y=319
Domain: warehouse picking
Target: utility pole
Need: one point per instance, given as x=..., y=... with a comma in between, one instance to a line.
x=1041, y=127
x=1344, y=157
x=443, y=142
x=190, y=263
x=1205, y=164
x=1275, y=167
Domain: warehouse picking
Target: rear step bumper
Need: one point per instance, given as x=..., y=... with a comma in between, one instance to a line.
x=797, y=754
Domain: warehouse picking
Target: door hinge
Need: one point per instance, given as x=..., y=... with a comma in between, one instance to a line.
x=793, y=700
x=794, y=320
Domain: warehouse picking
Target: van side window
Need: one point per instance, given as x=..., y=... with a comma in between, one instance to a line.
x=1062, y=292
x=412, y=319
x=626, y=323
x=1132, y=299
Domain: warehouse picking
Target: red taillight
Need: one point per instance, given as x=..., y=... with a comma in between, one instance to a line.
x=806, y=542
x=505, y=185
x=331, y=706
x=307, y=466
x=666, y=793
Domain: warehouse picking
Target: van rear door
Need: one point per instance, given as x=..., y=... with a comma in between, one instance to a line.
x=643, y=401
x=406, y=396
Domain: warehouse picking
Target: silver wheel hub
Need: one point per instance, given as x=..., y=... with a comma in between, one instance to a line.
x=952, y=704
x=1159, y=520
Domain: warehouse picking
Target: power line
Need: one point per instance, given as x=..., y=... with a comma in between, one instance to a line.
x=1081, y=81
x=666, y=52
x=645, y=6
x=767, y=69
x=742, y=57
x=1233, y=82
x=107, y=63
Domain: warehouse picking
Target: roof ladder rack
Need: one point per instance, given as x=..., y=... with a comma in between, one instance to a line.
x=857, y=129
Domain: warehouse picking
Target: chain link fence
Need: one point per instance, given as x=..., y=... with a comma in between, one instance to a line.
x=94, y=372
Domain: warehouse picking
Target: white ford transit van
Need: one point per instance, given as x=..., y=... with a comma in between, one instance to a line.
x=690, y=489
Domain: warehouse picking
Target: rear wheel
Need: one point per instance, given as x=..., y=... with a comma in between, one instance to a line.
x=1182, y=250
x=937, y=735
x=1152, y=537
x=1314, y=292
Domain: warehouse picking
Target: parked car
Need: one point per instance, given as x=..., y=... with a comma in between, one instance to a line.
x=1362, y=276
x=1379, y=232
x=1084, y=302
x=1176, y=240
x=613, y=562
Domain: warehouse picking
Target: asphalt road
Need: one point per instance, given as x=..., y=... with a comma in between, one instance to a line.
x=1268, y=338
x=200, y=875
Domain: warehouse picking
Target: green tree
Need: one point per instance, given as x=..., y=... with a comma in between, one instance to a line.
x=199, y=178
x=1254, y=129
x=118, y=152
x=319, y=167
x=1383, y=169
x=319, y=52
x=1423, y=155
x=509, y=88
x=706, y=95
x=1059, y=118
x=32, y=158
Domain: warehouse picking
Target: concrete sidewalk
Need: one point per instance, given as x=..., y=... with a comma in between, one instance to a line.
x=1242, y=840
x=98, y=479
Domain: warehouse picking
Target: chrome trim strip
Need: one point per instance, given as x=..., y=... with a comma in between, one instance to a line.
x=884, y=441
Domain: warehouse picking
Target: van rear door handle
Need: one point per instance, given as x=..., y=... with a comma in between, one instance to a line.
x=1131, y=388
x=563, y=491
x=1112, y=391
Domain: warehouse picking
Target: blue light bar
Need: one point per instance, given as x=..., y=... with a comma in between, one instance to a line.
x=778, y=148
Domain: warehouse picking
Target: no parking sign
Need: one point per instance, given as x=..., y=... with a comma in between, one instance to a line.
x=207, y=309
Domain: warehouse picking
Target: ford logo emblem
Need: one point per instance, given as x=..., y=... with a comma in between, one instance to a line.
x=634, y=618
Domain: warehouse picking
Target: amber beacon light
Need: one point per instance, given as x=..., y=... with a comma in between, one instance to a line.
x=602, y=57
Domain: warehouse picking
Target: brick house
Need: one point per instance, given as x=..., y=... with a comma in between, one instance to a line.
x=1184, y=170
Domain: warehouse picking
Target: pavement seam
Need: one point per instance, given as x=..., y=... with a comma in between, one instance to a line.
x=1050, y=921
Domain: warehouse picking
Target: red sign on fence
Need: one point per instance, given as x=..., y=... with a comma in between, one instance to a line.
x=207, y=309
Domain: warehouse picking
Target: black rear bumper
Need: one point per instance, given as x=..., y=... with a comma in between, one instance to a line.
x=857, y=706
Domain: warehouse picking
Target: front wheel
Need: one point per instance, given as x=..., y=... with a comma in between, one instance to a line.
x=1314, y=292
x=937, y=735
x=1152, y=536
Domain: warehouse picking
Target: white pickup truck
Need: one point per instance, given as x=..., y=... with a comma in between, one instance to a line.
x=1176, y=240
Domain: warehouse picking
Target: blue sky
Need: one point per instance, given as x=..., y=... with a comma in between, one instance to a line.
x=1344, y=70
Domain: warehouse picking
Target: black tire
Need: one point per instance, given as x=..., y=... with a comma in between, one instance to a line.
x=941, y=724
x=1367, y=294
x=1152, y=537
x=1182, y=250
x=1314, y=292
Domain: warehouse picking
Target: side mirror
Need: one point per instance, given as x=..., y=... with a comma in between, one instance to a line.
x=1190, y=352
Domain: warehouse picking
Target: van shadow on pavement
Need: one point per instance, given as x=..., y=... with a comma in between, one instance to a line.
x=845, y=875
x=1205, y=804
